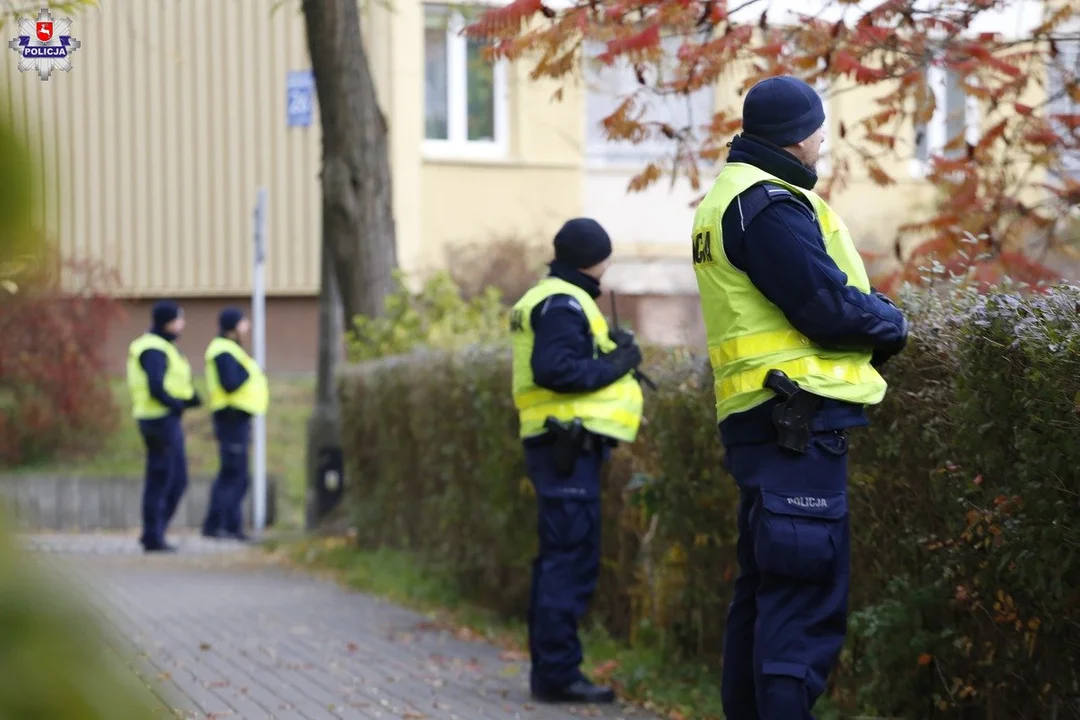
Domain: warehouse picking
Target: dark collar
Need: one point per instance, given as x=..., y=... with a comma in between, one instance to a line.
x=774, y=160
x=161, y=333
x=575, y=277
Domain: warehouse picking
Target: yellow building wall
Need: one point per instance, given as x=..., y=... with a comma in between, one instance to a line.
x=175, y=113
x=155, y=142
x=528, y=194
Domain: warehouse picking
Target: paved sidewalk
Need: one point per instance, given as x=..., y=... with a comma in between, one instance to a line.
x=222, y=632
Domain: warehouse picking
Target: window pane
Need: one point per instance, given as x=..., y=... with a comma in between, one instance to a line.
x=1060, y=72
x=608, y=86
x=435, y=73
x=480, y=86
x=955, y=114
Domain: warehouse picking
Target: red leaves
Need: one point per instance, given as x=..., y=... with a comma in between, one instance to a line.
x=887, y=141
x=652, y=172
x=844, y=63
x=872, y=34
x=1042, y=135
x=51, y=368
x=508, y=19
x=771, y=50
x=1071, y=121
x=898, y=51
x=644, y=41
x=877, y=174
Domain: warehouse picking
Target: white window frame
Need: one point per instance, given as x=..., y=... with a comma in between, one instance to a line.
x=457, y=145
x=1069, y=51
x=624, y=155
x=936, y=132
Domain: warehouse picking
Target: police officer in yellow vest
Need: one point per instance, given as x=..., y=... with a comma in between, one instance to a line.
x=795, y=335
x=160, y=383
x=576, y=398
x=238, y=390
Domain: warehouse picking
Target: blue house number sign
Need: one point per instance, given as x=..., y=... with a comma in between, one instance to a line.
x=300, y=97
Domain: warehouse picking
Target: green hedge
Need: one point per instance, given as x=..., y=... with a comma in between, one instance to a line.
x=965, y=499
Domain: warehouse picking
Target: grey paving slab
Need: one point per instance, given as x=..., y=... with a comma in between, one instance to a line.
x=219, y=631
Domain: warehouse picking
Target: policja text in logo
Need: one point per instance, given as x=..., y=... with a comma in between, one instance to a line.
x=808, y=502
x=44, y=45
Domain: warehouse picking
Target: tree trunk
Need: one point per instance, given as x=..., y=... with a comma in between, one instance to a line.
x=358, y=246
x=358, y=219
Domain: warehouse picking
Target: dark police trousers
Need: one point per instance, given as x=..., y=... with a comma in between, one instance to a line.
x=166, y=476
x=788, y=616
x=227, y=495
x=566, y=569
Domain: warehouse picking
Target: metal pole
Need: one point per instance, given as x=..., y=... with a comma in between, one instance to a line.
x=258, y=313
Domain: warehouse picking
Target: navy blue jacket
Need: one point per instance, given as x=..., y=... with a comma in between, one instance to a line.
x=154, y=362
x=562, y=357
x=773, y=236
x=231, y=375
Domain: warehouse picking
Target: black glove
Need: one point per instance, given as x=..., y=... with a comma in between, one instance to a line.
x=621, y=338
x=881, y=355
x=624, y=358
x=194, y=402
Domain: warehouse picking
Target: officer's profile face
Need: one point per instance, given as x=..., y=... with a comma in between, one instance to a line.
x=597, y=271
x=243, y=328
x=176, y=326
x=810, y=148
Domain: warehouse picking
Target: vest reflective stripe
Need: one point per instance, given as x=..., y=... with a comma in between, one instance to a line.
x=751, y=380
x=178, y=382
x=614, y=411
x=747, y=334
x=253, y=397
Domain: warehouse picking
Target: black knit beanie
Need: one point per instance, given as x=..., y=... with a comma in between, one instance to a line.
x=582, y=243
x=164, y=312
x=229, y=319
x=782, y=110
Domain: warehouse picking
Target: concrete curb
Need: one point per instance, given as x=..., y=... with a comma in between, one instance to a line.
x=74, y=503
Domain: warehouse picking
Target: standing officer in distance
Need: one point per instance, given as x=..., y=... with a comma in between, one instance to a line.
x=238, y=390
x=576, y=397
x=159, y=381
x=795, y=333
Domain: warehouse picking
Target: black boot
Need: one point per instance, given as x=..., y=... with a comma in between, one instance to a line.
x=579, y=691
x=165, y=548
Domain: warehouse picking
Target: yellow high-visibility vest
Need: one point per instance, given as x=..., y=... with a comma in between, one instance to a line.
x=253, y=397
x=747, y=334
x=614, y=411
x=178, y=382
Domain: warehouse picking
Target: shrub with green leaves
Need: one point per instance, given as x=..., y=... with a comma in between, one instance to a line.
x=437, y=316
x=964, y=497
